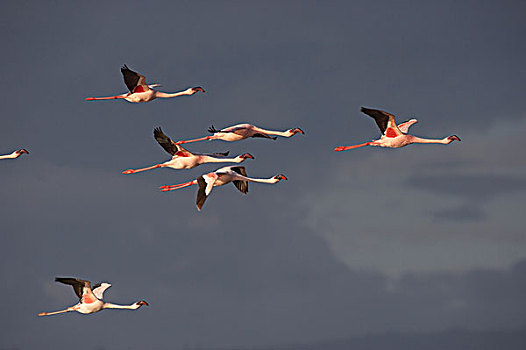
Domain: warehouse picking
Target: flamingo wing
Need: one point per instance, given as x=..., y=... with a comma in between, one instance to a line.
x=404, y=127
x=206, y=184
x=77, y=284
x=168, y=145
x=385, y=121
x=99, y=288
x=239, y=130
x=134, y=81
x=242, y=185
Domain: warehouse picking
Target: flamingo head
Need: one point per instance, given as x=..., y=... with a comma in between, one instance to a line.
x=280, y=177
x=247, y=156
x=21, y=151
x=141, y=303
x=453, y=138
x=193, y=90
x=294, y=131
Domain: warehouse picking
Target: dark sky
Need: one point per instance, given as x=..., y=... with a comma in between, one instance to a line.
x=414, y=241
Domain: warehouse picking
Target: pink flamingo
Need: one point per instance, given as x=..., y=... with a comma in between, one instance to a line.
x=14, y=154
x=394, y=136
x=142, y=92
x=90, y=300
x=243, y=131
x=220, y=177
x=184, y=159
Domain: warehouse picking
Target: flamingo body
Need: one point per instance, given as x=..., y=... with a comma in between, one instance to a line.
x=14, y=154
x=393, y=135
x=140, y=91
x=184, y=159
x=235, y=174
x=90, y=299
x=242, y=131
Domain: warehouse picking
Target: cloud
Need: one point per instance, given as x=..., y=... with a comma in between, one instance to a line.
x=476, y=187
x=462, y=213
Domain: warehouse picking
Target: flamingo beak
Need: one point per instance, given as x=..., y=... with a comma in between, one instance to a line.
x=248, y=156
x=300, y=131
x=142, y=302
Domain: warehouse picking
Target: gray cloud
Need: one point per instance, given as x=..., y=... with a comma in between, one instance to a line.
x=462, y=213
x=480, y=186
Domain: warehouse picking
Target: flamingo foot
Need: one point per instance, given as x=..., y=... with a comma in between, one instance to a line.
x=129, y=171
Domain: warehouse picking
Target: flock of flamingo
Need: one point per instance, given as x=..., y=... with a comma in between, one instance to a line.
x=90, y=299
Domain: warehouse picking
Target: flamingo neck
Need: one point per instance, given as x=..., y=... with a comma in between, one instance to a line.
x=210, y=159
x=168, y=95
x=272, y=180
x=133, y=306
x=286, y=133
x=10, y=156
x=415, y=139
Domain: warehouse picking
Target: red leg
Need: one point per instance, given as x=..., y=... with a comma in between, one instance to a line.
x=132, y=171
x=194, y=140
x=345, y=148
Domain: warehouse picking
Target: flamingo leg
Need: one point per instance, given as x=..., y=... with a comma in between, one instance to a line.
x=194, y=140
x=56, y=312
x=132, y=171
x=106, y=98
x=345, y=148
x=166, y=188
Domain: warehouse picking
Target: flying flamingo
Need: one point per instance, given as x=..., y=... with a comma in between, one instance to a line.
x=15, y=154
x=220, y=177
x=184, y=159
x=142, y=92
x=243, y=131
x=90, y=300
x=394, y=136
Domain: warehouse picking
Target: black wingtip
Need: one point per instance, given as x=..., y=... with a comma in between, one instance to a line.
x=212, y=130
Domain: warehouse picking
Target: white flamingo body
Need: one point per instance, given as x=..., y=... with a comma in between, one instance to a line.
x=242, y=131
x=14, y=154
x=220, y=177
x=90, y=301
x=184, y=159
x=394, y=136
x=142, y=92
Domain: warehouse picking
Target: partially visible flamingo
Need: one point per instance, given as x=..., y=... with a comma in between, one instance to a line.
x=243, y=131
x=184, y=159
x=394, y=136
x=142, y=92
x=15, y=154
x=220, y=177
x=90, y=300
